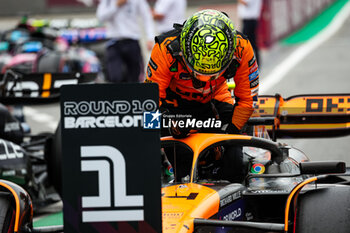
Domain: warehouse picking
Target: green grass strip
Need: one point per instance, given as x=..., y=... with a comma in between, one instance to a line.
x=315, y=25
x=50, y=220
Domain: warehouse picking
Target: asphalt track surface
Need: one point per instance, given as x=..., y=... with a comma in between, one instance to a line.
x=325, y=70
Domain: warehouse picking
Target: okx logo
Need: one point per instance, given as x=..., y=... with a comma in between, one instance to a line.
x=151, y=120
x=109, y=163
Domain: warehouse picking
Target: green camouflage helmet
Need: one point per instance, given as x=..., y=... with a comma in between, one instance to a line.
x=208, y=42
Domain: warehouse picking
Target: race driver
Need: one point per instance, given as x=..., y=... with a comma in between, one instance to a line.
x=191, y=65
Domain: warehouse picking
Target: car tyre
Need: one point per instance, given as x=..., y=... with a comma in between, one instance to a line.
x=53, y=157
x=7, y=215
x=49, y=63
x=324, y=210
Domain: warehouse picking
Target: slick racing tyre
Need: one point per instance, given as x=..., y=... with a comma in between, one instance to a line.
x=6, y=215
x=53, y=157
x=324, y=210
x=49, y=63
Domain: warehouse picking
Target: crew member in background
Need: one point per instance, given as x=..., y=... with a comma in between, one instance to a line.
x=167, y=12
x=249, y=12
x=191, y=65
x=124, y=62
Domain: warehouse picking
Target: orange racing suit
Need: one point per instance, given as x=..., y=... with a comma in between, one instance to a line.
x=177, y=89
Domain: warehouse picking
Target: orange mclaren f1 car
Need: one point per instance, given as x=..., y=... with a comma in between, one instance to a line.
x=281, y=190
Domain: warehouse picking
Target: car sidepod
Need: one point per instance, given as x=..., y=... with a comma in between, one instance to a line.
x=184, y=202
x=21, y=204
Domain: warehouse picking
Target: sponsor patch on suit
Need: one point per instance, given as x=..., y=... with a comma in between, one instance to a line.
x=149, y=71
x=153, y=64
x=251, y=62
x=254, y=83
x=254, y=67
x=254, y=75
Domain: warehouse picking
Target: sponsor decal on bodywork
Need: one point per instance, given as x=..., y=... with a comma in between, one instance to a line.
x=12, y=126
x=235, y=211
x=270, y=191
x=326, y=105
x=229, y=199
x=191, y=196
x=258, y=168
x=9, y=150
x=173, y=215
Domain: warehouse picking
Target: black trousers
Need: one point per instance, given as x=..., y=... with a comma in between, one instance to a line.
x=250, y=30
x=124, y=62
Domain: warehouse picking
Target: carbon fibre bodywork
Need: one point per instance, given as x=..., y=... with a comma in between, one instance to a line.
x=267, y=200
x=23, y=208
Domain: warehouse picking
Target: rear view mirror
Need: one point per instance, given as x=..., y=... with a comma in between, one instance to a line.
x=322, y=167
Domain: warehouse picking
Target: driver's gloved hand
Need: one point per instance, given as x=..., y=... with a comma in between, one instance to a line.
x=174, y=129
x=179, y=132
x=232, y=129
x=233, y=168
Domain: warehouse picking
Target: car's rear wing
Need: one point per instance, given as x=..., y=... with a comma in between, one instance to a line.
x=321, y=115
x=21, y=88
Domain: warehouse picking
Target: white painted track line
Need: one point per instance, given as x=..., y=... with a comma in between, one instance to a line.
x=46, y=121
x=281, y=69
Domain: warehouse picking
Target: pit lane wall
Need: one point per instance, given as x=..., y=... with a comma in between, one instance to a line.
x=280, y=18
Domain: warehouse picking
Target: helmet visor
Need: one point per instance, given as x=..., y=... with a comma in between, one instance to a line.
x=206, y=77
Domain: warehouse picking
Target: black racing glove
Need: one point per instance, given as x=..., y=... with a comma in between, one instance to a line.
x=174, y=129
x=232, y=129
x=179, y=132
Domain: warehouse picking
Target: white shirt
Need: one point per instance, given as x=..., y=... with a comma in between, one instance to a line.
x=250, y=11
x=174, y=11
x=123, y=22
